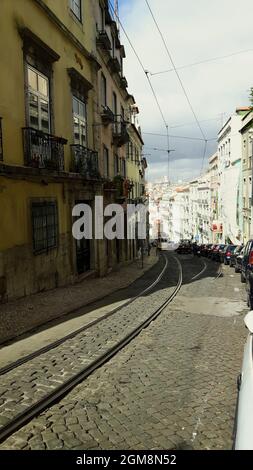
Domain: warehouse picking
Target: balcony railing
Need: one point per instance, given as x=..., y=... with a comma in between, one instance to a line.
x=85, y=162
x=107, y=115
x=43, y=150
x=120, y=134
x=1, y=140
x=123, y=82
x=103, y=40
x=114, y=64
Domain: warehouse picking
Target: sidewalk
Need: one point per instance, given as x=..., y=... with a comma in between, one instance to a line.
x=23, y=315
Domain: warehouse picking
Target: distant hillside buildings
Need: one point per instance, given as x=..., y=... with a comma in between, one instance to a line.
x=216, y=207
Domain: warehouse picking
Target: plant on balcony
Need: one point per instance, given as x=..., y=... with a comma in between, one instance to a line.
x=128, y=186
x=118, y=181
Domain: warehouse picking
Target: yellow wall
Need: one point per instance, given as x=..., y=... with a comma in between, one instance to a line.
x=15, y=199
x=26, y=13
x=133, y=168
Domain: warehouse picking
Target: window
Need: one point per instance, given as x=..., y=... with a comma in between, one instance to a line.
x=44, y=226
x=124, y=167
x=114, y=103
x=122, y=113
x=102, y=18
x=106, y=162
x=103, y=90
x=75, y=6
x=80, y=125
x=1, y=141
x=132, y=151
x=114, y=109
x=113, y=46
x=116, y=165
x=38, y=100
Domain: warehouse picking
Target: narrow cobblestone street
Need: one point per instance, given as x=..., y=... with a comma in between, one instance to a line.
x=172, y=387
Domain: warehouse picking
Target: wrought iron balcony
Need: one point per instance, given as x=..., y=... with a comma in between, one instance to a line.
x=43, y=150
x=107, y=115
x=120, y=134
x=114, y=64
x=123, y=82
x=103, y=41
x=85, y=162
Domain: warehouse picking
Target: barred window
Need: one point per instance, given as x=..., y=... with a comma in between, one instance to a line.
x=1, y=141
x=44, y=226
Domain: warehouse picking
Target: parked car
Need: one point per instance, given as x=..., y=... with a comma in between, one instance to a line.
x=206, y=249
x=226, y=253
x=238, y=261
x=243, y=436
x=247, y=271
x=184, y=248
x=215, y=255
x=210, y=252
x=234, y=255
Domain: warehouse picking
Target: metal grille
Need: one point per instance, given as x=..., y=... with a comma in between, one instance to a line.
x=43, y=150
x=45, y=226
x=85, y=161
x=1, y=140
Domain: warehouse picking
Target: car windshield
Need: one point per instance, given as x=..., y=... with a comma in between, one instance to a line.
x=231, y=247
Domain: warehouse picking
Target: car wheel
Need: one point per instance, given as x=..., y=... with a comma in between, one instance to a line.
x=243, y=280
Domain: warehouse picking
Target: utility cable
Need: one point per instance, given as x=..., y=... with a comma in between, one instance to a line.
x=175, y=69
x=140, y=62
x=202, y=62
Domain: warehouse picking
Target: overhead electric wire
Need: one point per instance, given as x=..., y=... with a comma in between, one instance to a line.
x=140, y=62
x=146, y=72
x=202, y=62
x=176, y=136
x=204, y=155
x=175, y=70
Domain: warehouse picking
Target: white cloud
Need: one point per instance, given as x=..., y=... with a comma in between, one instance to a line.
x=194, y=30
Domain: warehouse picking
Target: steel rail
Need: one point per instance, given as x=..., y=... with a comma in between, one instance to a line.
x=13, y=365
x=24, y=417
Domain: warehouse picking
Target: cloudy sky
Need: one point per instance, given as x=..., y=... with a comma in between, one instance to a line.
x=194, y=30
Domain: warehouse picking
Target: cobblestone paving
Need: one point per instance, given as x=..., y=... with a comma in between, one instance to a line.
x=20, y=316
x=173, y=387
x=30, y=382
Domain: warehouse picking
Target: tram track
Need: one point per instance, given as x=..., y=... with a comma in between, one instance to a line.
x=28, y=412
x=13, y=365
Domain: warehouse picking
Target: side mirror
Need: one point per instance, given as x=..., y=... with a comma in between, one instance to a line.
x=248, y=320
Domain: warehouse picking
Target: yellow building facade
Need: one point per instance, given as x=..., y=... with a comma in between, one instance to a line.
x=59, y=144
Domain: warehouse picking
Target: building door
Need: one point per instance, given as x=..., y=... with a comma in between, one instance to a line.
x=82, y=251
